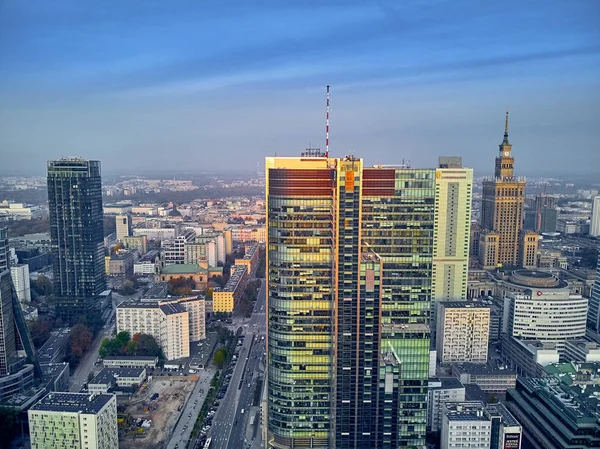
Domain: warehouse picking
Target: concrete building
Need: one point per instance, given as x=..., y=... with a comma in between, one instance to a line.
x=56, y=376
x=463, y=330
x=490, y=379
x=550, y=315
x=506, y=430
x=175, y=248
x=124, y=361
x=250, y=259
x=489, y=248
x=442, y=390
x=595, y=218
x=20, y=278
x=19, y=211
x=136, y=242
x=528, y=247
x=120, y=264
x=465, y=425
x=528, y=357
x=581, y=350
x=123, y=226
x=225, y=299
x=168, y=324
x=199, y=252
x=502, y=209
x=196, y=309
x=453, y=196
x=117, y=380
x=77, y=231
x=74, y=420
x=593, y=318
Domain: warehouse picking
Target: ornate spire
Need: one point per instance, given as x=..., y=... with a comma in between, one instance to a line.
x=505, y=141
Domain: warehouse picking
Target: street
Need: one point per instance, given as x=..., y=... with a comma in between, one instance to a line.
x=229, y=425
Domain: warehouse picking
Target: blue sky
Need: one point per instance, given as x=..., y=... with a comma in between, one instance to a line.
x=203, y=85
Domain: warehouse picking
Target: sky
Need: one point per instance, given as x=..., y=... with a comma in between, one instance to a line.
x=191, y=86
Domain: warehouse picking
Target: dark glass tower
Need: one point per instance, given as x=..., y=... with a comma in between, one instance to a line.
x=77, y=231
x=349, y=290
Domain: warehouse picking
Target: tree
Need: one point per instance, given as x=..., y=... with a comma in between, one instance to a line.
x=40, y=331
x=147, y=346
x=128, y=288
x=80, y=341
x=181, y=286
x=9, y=423
x=220, y=357
x=42, y=286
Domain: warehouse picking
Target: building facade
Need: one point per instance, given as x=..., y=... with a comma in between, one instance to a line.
x=452, y=231
x=20, y=278
x=463, y=332
x=593, y=318
x=528, y=247
x=123, y=226
x=465, y=426
x=74, y=420
x=595, y=218
x=77, y=232
x=502, y=206
x=349, y=260
x=442, y=390
x=225, y=299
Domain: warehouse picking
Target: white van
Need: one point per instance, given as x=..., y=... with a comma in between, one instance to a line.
x=242, y=411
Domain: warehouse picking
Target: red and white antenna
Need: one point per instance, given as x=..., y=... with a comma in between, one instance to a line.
x=327, y=126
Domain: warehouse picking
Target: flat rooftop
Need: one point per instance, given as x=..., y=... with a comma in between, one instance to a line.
x=73, y=402
x=172, y=308
x=487, y=369
x=108, y=375
x=464, y=305
x=130, y=357
x=499, y=409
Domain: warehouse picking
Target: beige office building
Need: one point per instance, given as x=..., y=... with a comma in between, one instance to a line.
x=74, y=420
x=452, y=231
x=463, y=332
x=123, y=226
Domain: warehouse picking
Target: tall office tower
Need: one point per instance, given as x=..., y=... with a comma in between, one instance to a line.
x=77, y=232
x=502, y=205
x=16, y=373
x=593, y=318
x=528, y=246
x=349, y=265
x=452, y=231
x=595, y=219
x=123, y=226
x=543, y=203
x=474, y=242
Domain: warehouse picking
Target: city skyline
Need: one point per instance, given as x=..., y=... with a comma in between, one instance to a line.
x=137, y=86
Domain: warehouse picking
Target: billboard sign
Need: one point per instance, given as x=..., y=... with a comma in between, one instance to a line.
x=512, y=441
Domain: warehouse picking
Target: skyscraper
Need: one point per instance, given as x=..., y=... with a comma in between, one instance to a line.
x=349, y=290
x=452, y=231
x=593, y=317
x=502, y=207
x=123, y=223
x=595, y=218
x=16, y=374
x=77, y=232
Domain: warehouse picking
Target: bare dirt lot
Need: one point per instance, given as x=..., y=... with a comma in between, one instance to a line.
x=163, y=412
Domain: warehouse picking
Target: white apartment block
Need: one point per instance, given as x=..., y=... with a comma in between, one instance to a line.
x=146, y=268
x=174, y=323
x=452, y=233
x=440, y=391
x=465, y=426
x=175, y=248
x=463, y=332
x=123, y=226
x=20, y=278
x=595, y=218
x=74, y=420
x=199, y=252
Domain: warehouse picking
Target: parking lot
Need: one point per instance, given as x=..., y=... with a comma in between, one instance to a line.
x=163, y=412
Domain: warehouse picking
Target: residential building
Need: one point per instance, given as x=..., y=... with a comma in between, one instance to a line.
x=489, y=249
x=595, y=218
x=200, y=274
x=20, y=278
x=74, y=420
x=463, y=332
x=528, y=246
x=225, y=299
x=123, y=226
x=124, y=361
x=77, y=231
x=557, y=412
x=175, y=248
x=202, y=251
x=581, y=350
x=502, y=208
x=250, y=258
x=117, y=380
x=136, y=242
x=465, y=426
x=120, y=264
x=490, y=379
x=452, y=230
x=506, y=431
x=349, y=256
x=196, y=309
x=442, y=390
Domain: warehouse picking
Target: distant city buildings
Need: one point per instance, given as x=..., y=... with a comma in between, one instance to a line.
x=74, y=420
x=77, y=231
x=19, y=211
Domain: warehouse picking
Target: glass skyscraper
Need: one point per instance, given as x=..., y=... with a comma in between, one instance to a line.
x=349, y=265
x=77, y=232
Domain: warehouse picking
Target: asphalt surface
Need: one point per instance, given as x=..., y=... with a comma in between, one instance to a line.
x=225, y=434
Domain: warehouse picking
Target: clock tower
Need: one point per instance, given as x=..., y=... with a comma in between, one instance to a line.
x=505, y=161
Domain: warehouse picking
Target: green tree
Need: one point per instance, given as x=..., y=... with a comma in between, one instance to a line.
x=220, y=357
x=42, y=286
x=181, y=286
x=9, y=423
x=123, y=337
x=40, y=331
x=147, y=346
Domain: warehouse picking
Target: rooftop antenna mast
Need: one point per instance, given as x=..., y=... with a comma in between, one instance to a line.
x=327, y=126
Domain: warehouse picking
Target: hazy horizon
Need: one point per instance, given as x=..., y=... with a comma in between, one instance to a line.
x=213, y=86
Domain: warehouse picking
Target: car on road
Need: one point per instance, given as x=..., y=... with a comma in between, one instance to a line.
x=242, y=411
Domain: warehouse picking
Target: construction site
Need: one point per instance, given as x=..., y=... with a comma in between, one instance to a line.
x=152, y=412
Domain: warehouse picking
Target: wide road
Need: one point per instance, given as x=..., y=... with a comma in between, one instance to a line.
x=225, y=434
